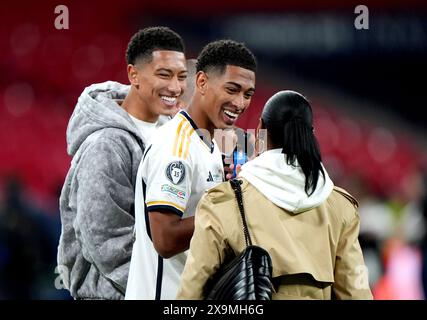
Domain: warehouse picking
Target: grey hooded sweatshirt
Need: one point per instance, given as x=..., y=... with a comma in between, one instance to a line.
x=97, y=198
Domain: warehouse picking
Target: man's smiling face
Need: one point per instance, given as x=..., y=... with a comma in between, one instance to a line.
x=161, y=81
x=228, y=95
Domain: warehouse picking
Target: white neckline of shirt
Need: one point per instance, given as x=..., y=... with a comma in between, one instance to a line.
x=143, y=123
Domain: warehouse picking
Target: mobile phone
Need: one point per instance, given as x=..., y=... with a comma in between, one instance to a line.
x=239, y=157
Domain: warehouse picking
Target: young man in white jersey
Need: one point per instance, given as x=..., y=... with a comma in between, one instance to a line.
x=180, y=164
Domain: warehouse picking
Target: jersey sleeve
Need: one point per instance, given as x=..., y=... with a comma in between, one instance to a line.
x=167, y=180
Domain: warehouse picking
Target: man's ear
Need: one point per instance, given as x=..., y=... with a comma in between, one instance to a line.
x=133, y=75
x=201, y=82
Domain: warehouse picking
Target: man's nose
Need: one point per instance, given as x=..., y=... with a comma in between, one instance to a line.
x=239, y=102
x=175, y=86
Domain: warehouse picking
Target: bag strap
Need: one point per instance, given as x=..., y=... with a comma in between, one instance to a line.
x=235, y=184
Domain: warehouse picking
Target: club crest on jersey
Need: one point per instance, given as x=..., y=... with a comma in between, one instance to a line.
x=175, y=172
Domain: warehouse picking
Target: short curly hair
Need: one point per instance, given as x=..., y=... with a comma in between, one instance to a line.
x=145, y=41
x=218, y=54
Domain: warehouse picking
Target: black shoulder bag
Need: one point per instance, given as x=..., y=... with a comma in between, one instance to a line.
x=249, y=275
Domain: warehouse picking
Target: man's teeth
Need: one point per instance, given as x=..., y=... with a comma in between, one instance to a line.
x=231, y=114
x=169, y=99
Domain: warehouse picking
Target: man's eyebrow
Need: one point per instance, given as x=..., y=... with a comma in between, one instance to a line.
x=234, y=84
x=239, y=86
x=170, y=71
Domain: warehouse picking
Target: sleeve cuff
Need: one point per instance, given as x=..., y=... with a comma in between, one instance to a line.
x=157, y=207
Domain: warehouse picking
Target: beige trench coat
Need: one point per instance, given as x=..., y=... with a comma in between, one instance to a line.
x=315, y=254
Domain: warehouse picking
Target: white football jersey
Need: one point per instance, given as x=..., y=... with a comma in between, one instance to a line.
x=177, y=168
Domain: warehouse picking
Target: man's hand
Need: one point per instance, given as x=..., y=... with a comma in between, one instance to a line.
x=229, y=171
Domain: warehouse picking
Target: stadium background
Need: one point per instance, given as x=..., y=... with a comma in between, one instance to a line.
x=367, y=88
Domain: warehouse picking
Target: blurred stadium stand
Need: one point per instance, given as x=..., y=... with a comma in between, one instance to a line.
x=364, y=86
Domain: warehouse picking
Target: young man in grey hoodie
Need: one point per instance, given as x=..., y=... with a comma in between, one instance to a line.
x=106, y=137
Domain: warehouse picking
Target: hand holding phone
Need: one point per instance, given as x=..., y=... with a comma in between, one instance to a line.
x=239, y=158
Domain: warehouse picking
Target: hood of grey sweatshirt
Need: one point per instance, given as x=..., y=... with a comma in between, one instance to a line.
x=97, y=109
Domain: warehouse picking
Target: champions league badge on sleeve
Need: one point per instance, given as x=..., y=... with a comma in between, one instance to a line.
x=175, y=172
